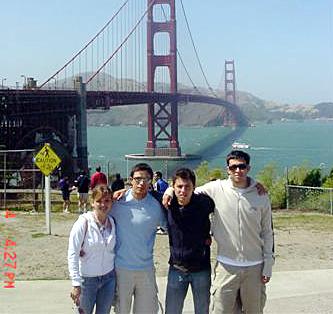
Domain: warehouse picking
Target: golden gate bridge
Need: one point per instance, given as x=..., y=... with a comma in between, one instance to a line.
x=133, y=59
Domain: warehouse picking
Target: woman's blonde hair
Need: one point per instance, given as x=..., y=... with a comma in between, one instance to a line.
x=100, y=191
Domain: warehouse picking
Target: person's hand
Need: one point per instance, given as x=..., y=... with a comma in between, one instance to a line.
x=166, y=200
x=261, y=189
x=117, y=195
x=265, y=279
x=75, y=295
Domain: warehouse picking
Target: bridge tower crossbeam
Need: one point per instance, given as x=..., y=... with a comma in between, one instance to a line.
x=162, y=117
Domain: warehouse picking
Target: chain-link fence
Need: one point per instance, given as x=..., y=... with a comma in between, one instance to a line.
x=312, y=198
x=19, y=178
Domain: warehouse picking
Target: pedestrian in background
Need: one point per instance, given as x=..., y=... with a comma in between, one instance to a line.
x=160, y=184
x=117, y=184
x=82, y=184
x=65, y=188
x=98, y=178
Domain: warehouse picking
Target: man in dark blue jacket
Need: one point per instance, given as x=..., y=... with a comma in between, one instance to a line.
x=189, y=239
x=160, y=184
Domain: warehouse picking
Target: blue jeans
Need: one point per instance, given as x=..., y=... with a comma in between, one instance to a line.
x=98, y=290
x=177, y=287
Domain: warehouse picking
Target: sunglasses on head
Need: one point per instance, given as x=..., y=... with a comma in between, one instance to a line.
x=239, y=166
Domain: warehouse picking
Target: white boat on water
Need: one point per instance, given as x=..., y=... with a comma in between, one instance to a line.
x=238, y=145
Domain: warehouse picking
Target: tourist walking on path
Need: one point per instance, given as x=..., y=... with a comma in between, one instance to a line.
x=91, y=255
x=189, y=239
x=98, y=178
x=137, y=215
x=242, y=228
x=64, y=186
x=118, y=184
x=82, y=184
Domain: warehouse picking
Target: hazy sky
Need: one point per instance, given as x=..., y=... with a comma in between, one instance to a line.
x=283, y=49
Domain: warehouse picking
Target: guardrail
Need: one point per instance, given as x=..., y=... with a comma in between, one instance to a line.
x=28, y=198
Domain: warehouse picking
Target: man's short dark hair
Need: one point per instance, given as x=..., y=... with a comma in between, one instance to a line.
x=118, y=176
x=142, y=167
x=185, y=174
x=158, y=174
x=98, y=169
x=238, y=154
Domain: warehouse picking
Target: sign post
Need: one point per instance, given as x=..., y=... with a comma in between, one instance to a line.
x=47, y=160
x=47, y=194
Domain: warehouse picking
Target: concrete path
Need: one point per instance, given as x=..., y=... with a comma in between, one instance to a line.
x=289, y=292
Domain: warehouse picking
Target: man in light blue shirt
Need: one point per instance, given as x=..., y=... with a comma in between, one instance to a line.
x=137, y=216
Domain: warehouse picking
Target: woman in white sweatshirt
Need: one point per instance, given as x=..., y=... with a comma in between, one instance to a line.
x=91, y=255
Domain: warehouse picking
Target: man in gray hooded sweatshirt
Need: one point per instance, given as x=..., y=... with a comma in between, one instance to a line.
x=242, y=228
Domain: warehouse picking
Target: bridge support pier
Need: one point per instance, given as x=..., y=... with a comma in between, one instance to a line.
x=81, y=126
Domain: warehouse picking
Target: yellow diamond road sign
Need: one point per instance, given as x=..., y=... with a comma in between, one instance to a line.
x=47, y=160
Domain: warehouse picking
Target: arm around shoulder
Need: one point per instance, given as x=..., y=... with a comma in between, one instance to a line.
x=208, y=188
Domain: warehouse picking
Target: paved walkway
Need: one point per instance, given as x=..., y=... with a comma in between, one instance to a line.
x=289, y=292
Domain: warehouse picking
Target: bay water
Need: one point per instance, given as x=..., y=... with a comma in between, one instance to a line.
x=287, y=144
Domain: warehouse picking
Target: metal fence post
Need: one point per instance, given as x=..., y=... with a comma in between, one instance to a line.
x=4, y=180
x=33, y=188
x=287, y=196
x=331, y=201
x=287, y=187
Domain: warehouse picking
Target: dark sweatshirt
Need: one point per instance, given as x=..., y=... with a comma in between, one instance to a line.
x=189, y=233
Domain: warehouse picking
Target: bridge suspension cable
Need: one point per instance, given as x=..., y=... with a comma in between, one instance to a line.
x=87, y=45
x=122, y=43
x=195, y=50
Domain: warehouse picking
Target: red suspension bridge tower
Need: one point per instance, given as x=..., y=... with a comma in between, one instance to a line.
x=162, y=116
x=229, y=88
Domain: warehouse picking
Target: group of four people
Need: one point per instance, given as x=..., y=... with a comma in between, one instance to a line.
x=241, y=225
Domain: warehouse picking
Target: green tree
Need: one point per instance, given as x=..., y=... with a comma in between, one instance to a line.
x=313, y=178
x=328, y=181
x=297, y=174
x=268, y=175
x=274, y=183
x=205, y=174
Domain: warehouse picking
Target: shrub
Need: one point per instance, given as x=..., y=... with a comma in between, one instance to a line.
x=274, y=183
x=205, y=174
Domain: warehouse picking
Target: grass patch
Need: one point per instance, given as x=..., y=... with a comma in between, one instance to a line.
x=309, y=221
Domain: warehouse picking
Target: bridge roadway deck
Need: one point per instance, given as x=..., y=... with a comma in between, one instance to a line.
x=289, y=292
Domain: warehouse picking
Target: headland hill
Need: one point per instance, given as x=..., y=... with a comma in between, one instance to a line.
x=194, y=114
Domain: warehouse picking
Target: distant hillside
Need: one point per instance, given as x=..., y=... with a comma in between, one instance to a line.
x=192, y=114
x=325, y=110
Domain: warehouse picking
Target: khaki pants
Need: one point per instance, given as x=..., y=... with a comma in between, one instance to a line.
x=236, y=289
x=140, y=285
